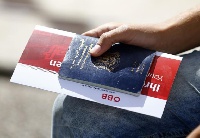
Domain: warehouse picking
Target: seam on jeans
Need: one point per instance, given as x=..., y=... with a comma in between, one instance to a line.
x=193, y=87
x=196, y=90
x=181, y=76
x=171, y=134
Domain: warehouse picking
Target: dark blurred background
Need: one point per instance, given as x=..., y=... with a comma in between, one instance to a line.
x=25, y=112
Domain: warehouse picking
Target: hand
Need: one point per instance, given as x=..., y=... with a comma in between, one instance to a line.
x=176, y=35
x=141, y=35
x=195, y=133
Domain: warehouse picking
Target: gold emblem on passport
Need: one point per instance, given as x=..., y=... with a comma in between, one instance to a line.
x=108, y=61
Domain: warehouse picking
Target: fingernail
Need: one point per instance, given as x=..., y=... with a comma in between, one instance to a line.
x=95, y=49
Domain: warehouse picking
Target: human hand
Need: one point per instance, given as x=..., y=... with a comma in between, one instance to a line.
x=176, y=35
x=141, y=35
x=195, y=133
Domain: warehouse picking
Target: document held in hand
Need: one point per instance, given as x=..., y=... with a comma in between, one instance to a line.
x=59, y=61
x=122, y=68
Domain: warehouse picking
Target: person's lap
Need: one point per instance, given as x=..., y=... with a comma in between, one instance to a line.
x=73, y=117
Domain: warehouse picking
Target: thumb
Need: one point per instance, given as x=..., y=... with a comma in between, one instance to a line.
x=109, y=38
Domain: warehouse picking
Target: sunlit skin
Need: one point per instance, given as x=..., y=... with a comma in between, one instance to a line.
x=175, y=35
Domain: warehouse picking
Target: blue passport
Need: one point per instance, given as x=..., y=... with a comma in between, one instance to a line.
x=122, y=68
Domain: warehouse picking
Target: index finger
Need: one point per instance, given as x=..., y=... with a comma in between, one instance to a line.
x=97, y=32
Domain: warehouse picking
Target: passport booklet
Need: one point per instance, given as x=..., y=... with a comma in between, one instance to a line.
x=122, y=68
x=126, y=77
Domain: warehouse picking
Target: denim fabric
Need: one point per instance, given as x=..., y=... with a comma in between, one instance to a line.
x=77, y=118
x=121, y=63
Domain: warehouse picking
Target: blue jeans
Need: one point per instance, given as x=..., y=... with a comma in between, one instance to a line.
x=73, y=117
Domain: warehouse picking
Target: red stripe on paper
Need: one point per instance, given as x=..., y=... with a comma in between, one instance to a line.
x=45, y=50
x=160, y=77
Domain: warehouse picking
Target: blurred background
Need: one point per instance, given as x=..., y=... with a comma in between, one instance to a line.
x=25, y=112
